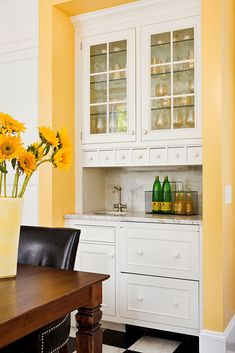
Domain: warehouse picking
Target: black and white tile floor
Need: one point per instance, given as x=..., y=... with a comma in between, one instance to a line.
x=137, y=340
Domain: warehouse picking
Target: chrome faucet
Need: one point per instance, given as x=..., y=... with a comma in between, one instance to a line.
x=119, y=207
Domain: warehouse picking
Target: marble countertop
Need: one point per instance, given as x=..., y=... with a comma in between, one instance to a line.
x=135, y=217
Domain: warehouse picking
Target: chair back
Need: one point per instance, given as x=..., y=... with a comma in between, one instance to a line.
x=52, y=247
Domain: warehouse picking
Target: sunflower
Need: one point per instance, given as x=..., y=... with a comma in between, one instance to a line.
x=10, y=147
x=62, y=158
x=10, y=125
x=63, y=137
x=27, y=162
x=48, y=136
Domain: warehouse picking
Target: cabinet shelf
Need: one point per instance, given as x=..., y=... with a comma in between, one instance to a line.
x=111, y=52
x=116, y=79
x=168, y=73
x=176, y=106
x=175, y=41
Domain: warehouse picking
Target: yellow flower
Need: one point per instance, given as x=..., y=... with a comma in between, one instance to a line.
x=10, y=147
x=27, y=162
x=64, y=139
x=62, y=158
x=48, y=136
x=10, y=125
x=37, y=150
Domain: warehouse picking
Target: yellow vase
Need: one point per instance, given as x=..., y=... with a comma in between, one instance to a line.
x=10, y=221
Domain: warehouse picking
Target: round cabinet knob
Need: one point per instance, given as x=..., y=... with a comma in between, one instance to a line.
x=145, y=132
x=196, y=155
x=176, y=255
x=175, y=303
x=177, y=155
x=90, y=158
x=106, y=158
x=140, y=298
x=123, y=156
x=110, y=255
x=140, y=156
x=140, y=252
x=157, y=155
x=132, y=132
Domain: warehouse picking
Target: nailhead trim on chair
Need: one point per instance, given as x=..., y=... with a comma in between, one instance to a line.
x=50, y=330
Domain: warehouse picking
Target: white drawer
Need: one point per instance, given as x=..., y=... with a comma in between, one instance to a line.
x=123, y=157
x=159, y=300
x=107, y=157
x=90, y=158
x=95, y=233
x=176, y=155
x=158, y=156
x=194, y=155
x=140, y=156
x=160, y=250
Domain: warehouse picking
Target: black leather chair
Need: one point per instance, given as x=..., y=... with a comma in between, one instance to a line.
x=52, y=247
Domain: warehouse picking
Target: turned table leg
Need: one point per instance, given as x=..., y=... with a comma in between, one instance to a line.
x=89, y=337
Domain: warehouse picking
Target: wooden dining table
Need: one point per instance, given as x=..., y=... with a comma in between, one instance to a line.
x=40, y=295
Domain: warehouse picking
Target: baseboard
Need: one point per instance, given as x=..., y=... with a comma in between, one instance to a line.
x=113, y=326
x=218, y=342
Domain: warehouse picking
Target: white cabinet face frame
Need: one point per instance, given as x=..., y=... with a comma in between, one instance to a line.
x=129, y=71
x=167, y=95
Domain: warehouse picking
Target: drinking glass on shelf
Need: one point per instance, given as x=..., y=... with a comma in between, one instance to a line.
x=189, y=121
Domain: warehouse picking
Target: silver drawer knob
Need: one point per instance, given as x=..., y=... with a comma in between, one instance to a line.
x=140, y=298
x=157, y=155
x=196, y=155
x=106, y=158
x=140, y=252
x=175, y=303
x=111, y=255
x=132, y=132
x=145, y=132
x=176, y=255
x=177, y=155
x=90, y=158
x=123, y=156
x=140, y=156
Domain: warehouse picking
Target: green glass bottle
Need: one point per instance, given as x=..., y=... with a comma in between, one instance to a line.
x=156, y=196
x=166, y=204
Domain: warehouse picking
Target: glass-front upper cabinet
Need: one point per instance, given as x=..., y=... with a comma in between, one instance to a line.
x=109, y=77
x=170, y=106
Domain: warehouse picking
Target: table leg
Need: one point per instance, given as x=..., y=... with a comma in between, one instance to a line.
x=90, y=336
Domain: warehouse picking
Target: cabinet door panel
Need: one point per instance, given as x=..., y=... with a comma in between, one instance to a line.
x=99, y=258
x=108, y=85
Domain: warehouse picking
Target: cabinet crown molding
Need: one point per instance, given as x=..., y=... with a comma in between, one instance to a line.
x=137, y=9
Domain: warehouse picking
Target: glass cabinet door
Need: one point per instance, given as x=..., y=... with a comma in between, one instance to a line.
x=110, y=104
x=169, y=104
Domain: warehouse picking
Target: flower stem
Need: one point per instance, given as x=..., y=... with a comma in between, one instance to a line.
x=44, y=161
x=15, y=186
x=0, y=184
x=25, y=183
x=5, y=181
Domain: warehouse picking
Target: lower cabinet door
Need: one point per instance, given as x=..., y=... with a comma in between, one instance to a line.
x=159, y=300
x=100, y=258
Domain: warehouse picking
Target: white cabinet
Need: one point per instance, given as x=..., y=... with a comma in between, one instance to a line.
x=140, y=83
x=97, y=253
x=108, y=81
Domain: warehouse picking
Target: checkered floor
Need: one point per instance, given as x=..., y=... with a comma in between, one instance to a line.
x=136, y=340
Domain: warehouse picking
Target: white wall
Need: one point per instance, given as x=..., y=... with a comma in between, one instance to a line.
x=19, y=78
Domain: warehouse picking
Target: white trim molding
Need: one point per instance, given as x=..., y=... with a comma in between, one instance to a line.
x=218, y=342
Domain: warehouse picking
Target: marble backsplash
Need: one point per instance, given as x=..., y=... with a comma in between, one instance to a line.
x=135, y=182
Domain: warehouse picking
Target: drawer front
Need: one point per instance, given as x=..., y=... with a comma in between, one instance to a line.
x=107, y=157
x=100, y=258
x=160, y=250
x=194, y=155
x=123, y=157
x=159, y=300
x=158, y=156
x=176, y=155
x=90, y=158
x=140, y=156
x=96, y=233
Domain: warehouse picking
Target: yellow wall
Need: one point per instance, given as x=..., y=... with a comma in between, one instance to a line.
x=218, y=92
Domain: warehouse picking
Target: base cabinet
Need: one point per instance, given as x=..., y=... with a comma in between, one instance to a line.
x=154, y=272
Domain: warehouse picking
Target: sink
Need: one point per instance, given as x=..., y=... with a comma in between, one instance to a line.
x=110, y=213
